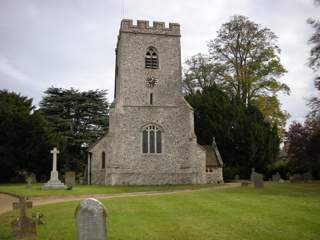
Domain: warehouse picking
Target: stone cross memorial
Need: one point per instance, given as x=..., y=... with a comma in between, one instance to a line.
x=91, y=220
x=54, y=182
x=23, y=227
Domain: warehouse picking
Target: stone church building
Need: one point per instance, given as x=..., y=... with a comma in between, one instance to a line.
x=151, y=137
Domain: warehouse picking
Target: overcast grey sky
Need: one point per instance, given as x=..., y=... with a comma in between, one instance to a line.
x=70, y=43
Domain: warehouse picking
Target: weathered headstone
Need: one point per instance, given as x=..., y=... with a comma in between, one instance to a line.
x=307, y=177
x=251, y=175
x=257, y=180
x=33, y=177
x=236, y=177
x=91, y=220
x=70, y=179
x=296, y=178
x=276, y=177
x=38, y=218
x=23, y=226
x=54, y=182
x=29, y=181
x=245, y=183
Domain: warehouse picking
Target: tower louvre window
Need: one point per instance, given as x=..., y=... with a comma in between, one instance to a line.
x=151, y=59
x=151, y=139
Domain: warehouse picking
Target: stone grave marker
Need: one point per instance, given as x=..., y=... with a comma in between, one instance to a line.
x=29, y=181
x=251, y=175
x=70, y=179
x=91, y=220
x=307, y=177
x=33, y=177
x=38, y=218
x=245, y=183
x=296, y=178
x=257, y=179
x=276, y=177
x=23, y=226
x=237, y=177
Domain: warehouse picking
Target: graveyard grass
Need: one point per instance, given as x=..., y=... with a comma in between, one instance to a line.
x=37, y=191
x=279, y=211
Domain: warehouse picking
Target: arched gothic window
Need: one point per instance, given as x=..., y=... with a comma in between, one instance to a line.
x=103, y=160
x=151, y=59
x=151, y=139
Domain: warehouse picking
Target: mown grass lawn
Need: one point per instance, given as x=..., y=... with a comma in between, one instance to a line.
x=37, y=191
x=279, y=211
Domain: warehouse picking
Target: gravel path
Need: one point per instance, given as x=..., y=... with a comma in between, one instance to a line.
x=6, y=201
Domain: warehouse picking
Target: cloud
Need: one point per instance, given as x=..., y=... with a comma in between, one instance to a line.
x=71, y=43
x=10, y=70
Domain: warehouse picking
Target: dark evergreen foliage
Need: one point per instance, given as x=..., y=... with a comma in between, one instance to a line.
x=25, y=138
x=303, y=142
x=81, y=117
x=245, y=139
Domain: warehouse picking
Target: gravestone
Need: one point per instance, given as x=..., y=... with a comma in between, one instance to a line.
x=33, y=177
x=29, y=181
x=54, y=182
x=236, y=177
x=276, y=177
x=245, y=183
x=23, y=227
x=38, y=218
x=296, y=178
x=91, y=220
x=251, y=175
x=257, y=179
x=70, y=179
x=307, y=177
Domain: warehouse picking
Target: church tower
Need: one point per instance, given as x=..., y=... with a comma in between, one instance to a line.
x=151, y=136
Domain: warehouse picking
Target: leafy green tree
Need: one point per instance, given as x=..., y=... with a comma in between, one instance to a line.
x=25, y=139
x=271, y=109
x=246, y=58
x=199, y=73
x=244, y=62
x=81, y=117
x=244, y=138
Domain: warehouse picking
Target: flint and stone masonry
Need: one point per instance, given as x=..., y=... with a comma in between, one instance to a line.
x=151, y=137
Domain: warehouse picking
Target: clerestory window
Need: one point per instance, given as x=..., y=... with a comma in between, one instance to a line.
x=151, y=139
x=151, y=59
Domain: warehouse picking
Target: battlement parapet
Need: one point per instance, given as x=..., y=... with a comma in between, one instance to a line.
x=143, y=27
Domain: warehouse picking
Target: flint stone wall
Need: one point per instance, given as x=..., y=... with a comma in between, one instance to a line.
x=216, y=176
x=182, y=160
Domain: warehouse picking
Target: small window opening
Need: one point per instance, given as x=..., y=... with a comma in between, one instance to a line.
x=151, y=98
x=103, y=160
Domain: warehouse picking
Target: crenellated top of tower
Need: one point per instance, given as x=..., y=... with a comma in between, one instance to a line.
x=156, y=28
